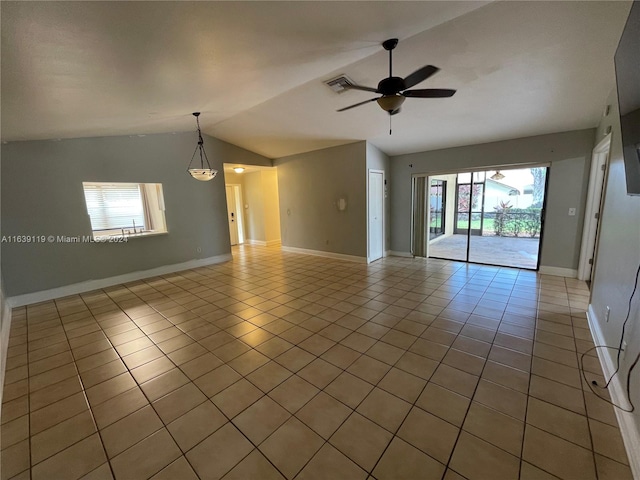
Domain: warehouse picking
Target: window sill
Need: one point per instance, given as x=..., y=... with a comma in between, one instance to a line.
x=127, y=236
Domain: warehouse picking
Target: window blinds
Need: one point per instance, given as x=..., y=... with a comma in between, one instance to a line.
x=114, y=206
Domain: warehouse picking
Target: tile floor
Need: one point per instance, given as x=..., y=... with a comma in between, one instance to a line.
x=279, y=365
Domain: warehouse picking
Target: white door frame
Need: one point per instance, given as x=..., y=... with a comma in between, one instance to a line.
x=236, y=195
x=595, y=194
x=384, y=250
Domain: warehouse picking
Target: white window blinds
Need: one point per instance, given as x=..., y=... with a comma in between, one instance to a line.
x=113, y=206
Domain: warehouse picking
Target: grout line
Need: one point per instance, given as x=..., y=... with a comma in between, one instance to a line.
x=460, y=429
x=526, y=412
x=84, y=393
x=28, y=390
x=423, y=276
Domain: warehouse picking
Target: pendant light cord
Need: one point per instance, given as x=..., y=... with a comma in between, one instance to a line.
x=200, y=146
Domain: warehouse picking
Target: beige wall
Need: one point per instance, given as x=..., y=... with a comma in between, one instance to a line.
x=309, y=185
x=254, y=213
x=271, y=206
x=262, y=215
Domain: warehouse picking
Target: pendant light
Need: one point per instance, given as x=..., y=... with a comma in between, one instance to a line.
x=203, y=174
x=497, y=176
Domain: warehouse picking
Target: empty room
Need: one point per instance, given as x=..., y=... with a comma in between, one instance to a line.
x=378, y=240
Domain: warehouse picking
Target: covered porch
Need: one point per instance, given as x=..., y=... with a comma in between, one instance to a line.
x=519, y=252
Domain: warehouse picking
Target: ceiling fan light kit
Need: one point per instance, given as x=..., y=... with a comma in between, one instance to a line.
x=395, y=90
x=390, y=103
x=204, y=174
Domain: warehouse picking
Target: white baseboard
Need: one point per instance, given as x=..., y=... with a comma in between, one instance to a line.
x=400, y=254
x=262, y=243
x=4, y=345
x=320, y=253
x=558, y=271
x=89, y=285
x=386, y=253
x=627, y=422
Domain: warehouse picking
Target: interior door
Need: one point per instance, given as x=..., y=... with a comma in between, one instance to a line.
x=232, y=213
x=376, y=212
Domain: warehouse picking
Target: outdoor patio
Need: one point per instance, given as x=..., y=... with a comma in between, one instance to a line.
x=521, y=252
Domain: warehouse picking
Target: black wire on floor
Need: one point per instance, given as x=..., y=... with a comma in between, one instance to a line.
x=619, y=350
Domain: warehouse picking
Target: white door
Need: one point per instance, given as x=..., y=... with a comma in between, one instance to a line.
x=232, y=209
x=593, y=208
x=376, y=215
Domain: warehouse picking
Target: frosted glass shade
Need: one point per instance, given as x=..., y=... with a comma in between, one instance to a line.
x=203, y=174
x=390, y=103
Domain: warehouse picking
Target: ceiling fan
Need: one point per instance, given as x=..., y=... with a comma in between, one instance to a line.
x=394, y=90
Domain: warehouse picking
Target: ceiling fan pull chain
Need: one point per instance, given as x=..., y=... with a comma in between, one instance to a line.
x=389, y=123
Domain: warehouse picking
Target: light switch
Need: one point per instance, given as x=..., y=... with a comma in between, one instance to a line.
x=572, y=212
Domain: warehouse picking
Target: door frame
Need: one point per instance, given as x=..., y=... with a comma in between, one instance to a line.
x=595, y=196
x=443, y=207
x=472, y=183
x=236, y=189
x=383, y=243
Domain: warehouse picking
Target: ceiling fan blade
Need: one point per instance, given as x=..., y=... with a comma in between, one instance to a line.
x=357, y=104
x=420, y=75
x=429, y=93
x=361, y=87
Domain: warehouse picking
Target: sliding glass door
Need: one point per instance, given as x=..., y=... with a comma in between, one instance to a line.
x=437, y=205
x=498, y=217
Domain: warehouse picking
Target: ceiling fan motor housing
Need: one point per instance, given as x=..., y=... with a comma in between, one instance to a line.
x=391, y=85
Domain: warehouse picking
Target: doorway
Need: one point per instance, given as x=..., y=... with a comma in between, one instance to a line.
x=375, y=213
x=498, y=217
x=234, y=214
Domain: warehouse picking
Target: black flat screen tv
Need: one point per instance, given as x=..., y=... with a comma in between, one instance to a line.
x=627, y=62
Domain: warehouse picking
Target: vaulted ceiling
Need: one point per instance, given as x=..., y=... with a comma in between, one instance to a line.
x=256, y=69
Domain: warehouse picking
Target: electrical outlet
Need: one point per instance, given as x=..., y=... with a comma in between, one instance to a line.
x=607, y=313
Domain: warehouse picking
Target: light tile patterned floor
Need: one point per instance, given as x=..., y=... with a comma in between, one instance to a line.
x=283, y=365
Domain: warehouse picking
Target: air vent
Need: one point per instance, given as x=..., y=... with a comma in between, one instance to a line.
x=339, y=84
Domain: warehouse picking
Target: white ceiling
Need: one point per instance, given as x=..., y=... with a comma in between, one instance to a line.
x=255, y=70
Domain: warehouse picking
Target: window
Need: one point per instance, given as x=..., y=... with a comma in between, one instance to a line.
x=125, y=208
